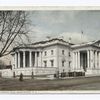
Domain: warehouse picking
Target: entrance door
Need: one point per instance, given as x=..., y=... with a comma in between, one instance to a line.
x=83, y=60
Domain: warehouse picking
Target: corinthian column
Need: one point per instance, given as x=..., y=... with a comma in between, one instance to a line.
x=73, y=60
x=24, y=60
x=91, y=58
x=78, y=60
x=18, y=59
x=36, y=59
x=95, y=59
x=40, y=59
x=30, y=59
x=15, y=59
x=88, y=58
x=99, y=60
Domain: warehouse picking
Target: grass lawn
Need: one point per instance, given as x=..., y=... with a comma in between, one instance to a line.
x=80, y=83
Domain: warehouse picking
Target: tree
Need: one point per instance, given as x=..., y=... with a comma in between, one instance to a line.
x=13, y=26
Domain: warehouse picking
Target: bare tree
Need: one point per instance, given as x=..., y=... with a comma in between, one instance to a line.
x=13, y=24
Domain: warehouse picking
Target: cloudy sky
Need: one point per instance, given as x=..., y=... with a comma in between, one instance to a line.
x=67, y=24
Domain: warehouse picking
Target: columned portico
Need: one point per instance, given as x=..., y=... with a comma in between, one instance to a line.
x=87, y=59
x=76, y=60
x=25, y=59
x=81, y=60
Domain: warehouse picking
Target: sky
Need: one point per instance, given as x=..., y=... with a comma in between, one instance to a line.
x=65, y=24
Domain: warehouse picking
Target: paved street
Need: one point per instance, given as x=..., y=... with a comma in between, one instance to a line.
x=81, y=83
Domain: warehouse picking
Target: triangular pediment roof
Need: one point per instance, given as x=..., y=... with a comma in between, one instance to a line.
x=45, y=43
x=95, y=43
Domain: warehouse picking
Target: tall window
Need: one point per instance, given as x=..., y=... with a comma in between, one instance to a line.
x=52, y=63
x=63, y=63
x=63, y=52
x=69, y=54
x=45, y=53
x=69, y=64
x=51, y=52
x=37, y=54
x=45, y=63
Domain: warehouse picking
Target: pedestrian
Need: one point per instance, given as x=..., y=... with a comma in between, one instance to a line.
x=21, y=77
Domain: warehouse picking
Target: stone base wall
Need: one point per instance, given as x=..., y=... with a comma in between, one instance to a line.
x=77, y=70
x=38, y=72
x=6, y=73
x=27, y=72
x=93, y=72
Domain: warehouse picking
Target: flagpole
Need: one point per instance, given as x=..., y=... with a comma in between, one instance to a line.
x=82, y=36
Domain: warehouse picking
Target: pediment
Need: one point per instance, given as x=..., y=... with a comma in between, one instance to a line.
x=97, y=43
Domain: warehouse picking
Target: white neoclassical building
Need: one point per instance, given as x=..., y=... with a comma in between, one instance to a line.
x=55, y=55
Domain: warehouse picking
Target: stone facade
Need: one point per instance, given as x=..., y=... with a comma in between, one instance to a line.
x=56, y=55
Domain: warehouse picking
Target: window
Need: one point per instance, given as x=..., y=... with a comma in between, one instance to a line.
x=51, y=52
x=37, y=54
x=45, y=53
x=69, y=54
x=52, y=63
x=63, y=52
x=63, y=63
x=69, y=64
x=45, y=63
x=63, y=70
